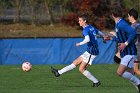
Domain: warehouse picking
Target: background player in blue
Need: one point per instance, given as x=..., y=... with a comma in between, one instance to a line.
x=86, y=59
x=132, y=17
x=125, y=35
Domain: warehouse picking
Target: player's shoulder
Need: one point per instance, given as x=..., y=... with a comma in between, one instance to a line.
x=124, y=25
x=120, y=23
x=88, y=27
x=123, y=22
x=92, y=28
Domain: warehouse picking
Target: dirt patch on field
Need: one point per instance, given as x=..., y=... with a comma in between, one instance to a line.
x=24, y=30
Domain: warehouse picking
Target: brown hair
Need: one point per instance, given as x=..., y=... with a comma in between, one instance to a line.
x=116, y=11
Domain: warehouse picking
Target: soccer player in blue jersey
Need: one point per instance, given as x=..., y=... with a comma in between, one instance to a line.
x=86, y=59
x=125, y=35
x=132, y=17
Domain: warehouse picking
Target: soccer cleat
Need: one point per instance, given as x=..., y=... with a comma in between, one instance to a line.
x=55, y=72
x=96, y=84
x=138, y=87
x=135, y=86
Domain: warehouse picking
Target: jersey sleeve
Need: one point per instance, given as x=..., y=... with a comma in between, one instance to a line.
x=86, y=40
x=85, y=32
x=114, y=38
x=98, y=32
x=129, y=30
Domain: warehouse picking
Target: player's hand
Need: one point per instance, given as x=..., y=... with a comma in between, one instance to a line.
x=113, y=33
x=104, y=41
x=77, y=44
x=106, y=38
x=121, y=46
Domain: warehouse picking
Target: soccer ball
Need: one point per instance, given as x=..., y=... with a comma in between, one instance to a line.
x=26, y=66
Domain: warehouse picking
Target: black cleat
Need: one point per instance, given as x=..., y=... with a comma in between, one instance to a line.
x=55, y=72
x=96, y=84
x=138, y=88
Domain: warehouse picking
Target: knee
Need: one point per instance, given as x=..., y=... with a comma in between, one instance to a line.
x=81, y=70
x=137, y=72
x=119, y=74
x=136, y=69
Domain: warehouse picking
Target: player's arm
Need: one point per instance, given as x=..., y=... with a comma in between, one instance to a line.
x=112, y=33
x=114, y=38
x=108, y=37
x=101, y=33
x=131, y=33
x=131, y=36
x=128, y=29
x=86, y=40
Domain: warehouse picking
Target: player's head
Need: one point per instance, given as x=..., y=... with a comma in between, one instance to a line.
x=133, y=14
x=83, y=20
x=116, y=11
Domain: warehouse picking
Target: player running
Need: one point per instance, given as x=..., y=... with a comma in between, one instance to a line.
x=132, y=17
x=125, y=35
x=86, y=59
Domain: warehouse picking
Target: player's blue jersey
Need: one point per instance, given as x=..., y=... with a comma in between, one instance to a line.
x=92, y=44
x=124, y=32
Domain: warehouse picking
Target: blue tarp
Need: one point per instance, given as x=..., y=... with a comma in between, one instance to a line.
x=50, y=51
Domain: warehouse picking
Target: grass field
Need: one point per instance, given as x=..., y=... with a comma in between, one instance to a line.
x=41, y=80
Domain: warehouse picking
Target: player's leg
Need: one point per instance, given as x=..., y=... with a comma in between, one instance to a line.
x=71, y=66
x=136, y=67
x=125, y=69
x=87, y=60
x=85, y=72
x=74, y=63
x=67, y=68
x=137, y=61
x=117, y=57
x=135, y=81
x=121, y=70
x=126, y=63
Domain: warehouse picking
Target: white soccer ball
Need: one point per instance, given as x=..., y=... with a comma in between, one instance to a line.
x=26, y=66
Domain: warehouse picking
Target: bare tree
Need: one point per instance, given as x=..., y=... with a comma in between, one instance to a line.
x=17, y=4
x=32, y=4
x=4, y=4
x=48, y=4
x=1, y=10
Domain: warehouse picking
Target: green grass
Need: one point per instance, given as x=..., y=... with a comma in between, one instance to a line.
x=41, y=80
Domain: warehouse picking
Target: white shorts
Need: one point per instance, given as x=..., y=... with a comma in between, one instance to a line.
x=128, y=61
x=88, y=58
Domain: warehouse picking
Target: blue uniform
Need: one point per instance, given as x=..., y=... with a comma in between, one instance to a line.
x=124, y=32
x=92, y=44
